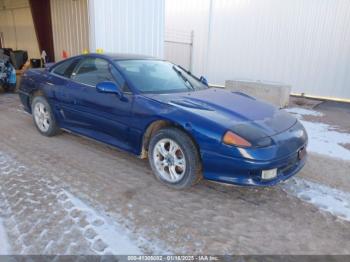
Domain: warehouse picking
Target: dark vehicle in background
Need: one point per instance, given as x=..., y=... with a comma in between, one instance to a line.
x=7, y=71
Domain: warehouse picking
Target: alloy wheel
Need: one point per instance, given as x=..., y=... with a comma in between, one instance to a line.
x=169, y=159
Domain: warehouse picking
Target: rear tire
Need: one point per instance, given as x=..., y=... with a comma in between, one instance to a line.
x=174, y=158
x=43, y=117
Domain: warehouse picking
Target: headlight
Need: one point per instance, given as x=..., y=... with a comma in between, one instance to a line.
x=231, y=138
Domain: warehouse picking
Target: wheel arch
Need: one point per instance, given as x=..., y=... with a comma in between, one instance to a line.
x=157, y=125
x=34, y=93
x=31, y=95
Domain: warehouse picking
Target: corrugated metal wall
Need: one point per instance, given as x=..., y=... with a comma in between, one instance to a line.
x=302, y=43
x=178, y=47
x=190, y=15
x=17, y=27
x=70, y=24
x=133, y=26
x=12, y=4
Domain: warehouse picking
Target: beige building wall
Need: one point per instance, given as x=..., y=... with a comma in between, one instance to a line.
x=17, y=27
x=70, y=26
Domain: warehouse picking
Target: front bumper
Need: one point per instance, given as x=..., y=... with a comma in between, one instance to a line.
x=246, y=172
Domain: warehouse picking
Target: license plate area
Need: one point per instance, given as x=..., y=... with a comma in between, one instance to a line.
x=269, y=174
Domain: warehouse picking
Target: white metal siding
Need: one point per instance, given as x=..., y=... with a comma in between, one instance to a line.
x=178, y=47
x=302, y=43
x=70, y=24
x=133, y=26
x=190, y=15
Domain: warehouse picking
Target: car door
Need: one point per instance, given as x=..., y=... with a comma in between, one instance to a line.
x=59, y=79
x=103, y=116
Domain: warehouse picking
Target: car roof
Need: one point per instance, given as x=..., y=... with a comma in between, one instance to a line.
x=120, y=56
x=110, y=56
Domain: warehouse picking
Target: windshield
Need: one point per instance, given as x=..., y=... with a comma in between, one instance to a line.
x=153, y=76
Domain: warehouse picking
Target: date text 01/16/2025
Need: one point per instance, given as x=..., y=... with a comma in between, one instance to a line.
x=173, y=258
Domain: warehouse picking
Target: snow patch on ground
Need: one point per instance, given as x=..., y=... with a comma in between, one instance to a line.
x=323, y=197
x=104, y=234
x=9, y=165
x=112, y=236
x=323, y=138
x=303, y=111
x=4, y=244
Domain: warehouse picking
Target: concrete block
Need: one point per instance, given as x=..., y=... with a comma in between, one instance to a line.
x=271, y=92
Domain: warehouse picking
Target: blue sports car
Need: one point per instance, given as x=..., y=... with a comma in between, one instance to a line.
x=160, y=111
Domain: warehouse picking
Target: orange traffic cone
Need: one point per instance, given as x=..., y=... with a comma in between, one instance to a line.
x=64, y=54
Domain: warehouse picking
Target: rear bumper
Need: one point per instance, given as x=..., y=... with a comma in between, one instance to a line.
x=246, y=172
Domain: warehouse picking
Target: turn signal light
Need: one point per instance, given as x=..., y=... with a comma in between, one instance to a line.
x=231, y=138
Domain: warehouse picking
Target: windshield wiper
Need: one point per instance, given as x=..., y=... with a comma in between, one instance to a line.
x=184, y=69
x=187, y=82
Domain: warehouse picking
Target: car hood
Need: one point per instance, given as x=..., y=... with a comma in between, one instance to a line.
x=236, y=111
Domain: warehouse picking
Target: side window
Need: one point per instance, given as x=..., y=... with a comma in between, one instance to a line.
x=92, y=71
x=65, y=69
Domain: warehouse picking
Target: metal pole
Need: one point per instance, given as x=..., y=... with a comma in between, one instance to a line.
x=2, y=44
x=209, y=36
x=191, y=53
x=14, y=27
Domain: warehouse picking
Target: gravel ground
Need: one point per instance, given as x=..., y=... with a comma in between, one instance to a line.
x=44, y=181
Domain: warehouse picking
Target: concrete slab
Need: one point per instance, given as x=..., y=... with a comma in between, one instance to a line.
x=271, y=92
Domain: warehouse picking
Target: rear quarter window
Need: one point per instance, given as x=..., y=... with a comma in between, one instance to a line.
x=65, y=69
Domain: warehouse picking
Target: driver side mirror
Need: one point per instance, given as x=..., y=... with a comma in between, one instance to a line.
x=203, y=80
x=109, y=87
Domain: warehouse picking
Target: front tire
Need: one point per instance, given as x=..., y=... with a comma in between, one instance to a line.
x=174, y=158
x=43, y=117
